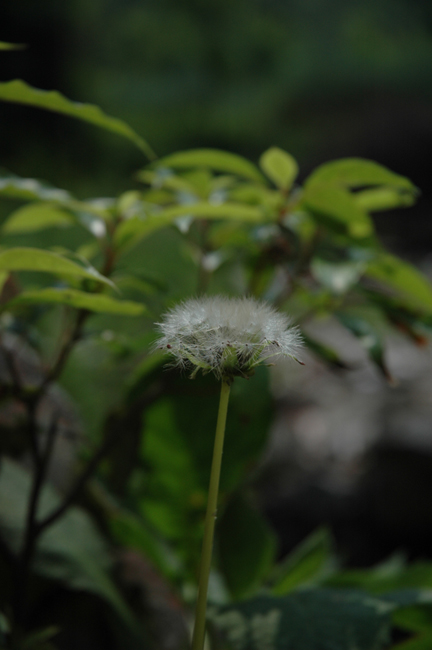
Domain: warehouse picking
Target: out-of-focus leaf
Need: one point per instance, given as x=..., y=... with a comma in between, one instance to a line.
x=20, y=92
x=247, y=547
x=80, y=299
x=280, y=167
x=338, y=277
x=221, y=161
x=132, y=230
x=36, y=216
x=384, y=198
x=368, y=336
x=357, y=172
x=34, y=259
x=71, y=550
x=316, y=619
x=324, y=352
x=423, y=642
x=336, y=208
x=39, y=640
x=404, y=279
x=131, y=532
x=309, y=563
x=12, y=46
x=30, y=189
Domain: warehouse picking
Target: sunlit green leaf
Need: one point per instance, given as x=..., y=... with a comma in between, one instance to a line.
x=336, y=208
x=20, y=92
x=404, y=279
x=81, y=300
x=36, y=216
x=357, y=172
x=383, y=198
x=280, y=167
x=34, y=259
x=221, y=161
x=246, y=546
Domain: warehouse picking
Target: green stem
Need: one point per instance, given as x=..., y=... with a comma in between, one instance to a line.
x=210, y=519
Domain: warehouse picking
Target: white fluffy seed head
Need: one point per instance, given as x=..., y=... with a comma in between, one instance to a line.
x=226, y=336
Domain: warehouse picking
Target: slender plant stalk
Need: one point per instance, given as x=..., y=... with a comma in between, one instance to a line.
x=210, y=519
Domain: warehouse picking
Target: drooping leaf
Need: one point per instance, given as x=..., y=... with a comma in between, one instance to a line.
x=20, y=92
x=280, y=167
x=309, y=563
x=132, y=230
x=404, y=279
x=366, y=332
x=34, y=259
x=36, y=216
x=324, y=352
x=221, y=161
x=71, y=550
x=80, y=299
x=336, y=208
x=357, y=172
x=246, y=546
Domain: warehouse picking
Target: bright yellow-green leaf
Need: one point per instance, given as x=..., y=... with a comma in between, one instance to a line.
x=404, y=279
x=36, y=216
x=34, y=259
x=20, y=92
x=221, y=161
x=383, y=198
x=81, y=300
x=357, y=172
x=280, y=167
x=337, y=209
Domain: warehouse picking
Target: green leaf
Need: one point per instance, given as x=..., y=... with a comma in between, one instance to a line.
x=71, y=550
x=20, y=92
x=132, y=230
x=310, y=562
x=221, y=161
x=366, y=332
x=318, y=619
x=80, y=299
x=384, y=198
x=34, y=259
x=338, y=277
x=357, y=172
x=280, y=167
x=404, y=279
x=324, y=352
x=247, y=547
x=336, y=208
x=12, y=46
x=36, y=216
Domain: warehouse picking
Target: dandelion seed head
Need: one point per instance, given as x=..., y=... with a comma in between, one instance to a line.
x=226, y=336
